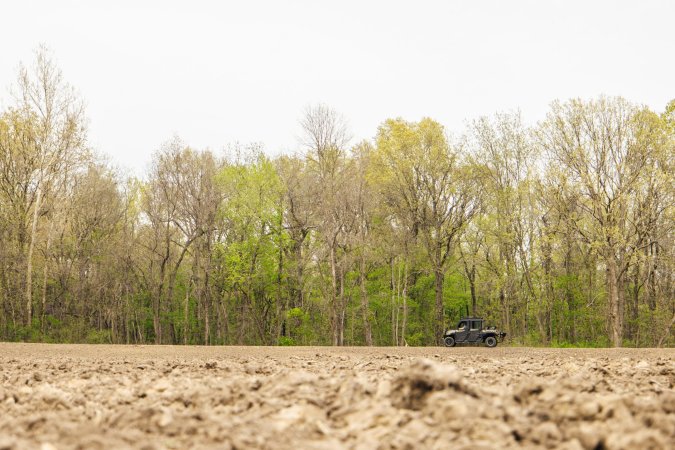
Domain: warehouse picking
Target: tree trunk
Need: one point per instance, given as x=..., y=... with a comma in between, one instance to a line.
x=43, y=310
x=157, y=304
x=29, y=259
x=394, y=323
x=282, y=305
x=651, y=277
x=157, y=300
x=506, y=311
x=634, y=305
x=439, y=277
x=472, y=287
x=613, y=297
x=127, y=320
x=297, y=297
x=45, y=273
x=186, y=314
x=206, y=322
x=405, y=303
x=343, y=309
x=206, y=294
x=225, y=316
x=156, y=325
x=571, y=303
x=174, y=274
x=333, y=296
x=365, y=308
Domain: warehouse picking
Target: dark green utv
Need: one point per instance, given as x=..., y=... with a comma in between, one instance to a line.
x=470, y=330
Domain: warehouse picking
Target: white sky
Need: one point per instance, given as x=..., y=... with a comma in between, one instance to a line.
x=216, y=72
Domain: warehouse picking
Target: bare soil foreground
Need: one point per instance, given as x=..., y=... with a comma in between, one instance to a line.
x=153, y=397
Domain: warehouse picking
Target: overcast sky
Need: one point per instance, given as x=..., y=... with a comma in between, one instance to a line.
x=216, y=72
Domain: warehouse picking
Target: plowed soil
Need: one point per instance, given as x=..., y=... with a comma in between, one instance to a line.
x=154, y=397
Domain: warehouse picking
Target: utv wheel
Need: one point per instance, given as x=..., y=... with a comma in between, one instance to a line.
x=491, y=341
x=449, y=341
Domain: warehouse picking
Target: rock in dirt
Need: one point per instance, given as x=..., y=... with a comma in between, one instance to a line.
x=411, y=388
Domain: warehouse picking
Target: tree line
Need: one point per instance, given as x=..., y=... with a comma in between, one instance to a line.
x=559, y=233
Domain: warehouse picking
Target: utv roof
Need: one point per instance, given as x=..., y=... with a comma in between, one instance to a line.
x=471, y=318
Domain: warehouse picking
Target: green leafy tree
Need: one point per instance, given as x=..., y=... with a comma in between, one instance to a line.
x=429, y=190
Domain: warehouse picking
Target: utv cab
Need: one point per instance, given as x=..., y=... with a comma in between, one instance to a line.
x=471, y=330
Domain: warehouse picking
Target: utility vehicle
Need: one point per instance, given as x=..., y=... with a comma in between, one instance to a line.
x=470, y=330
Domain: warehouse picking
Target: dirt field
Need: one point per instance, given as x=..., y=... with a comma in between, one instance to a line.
x=79, y=396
